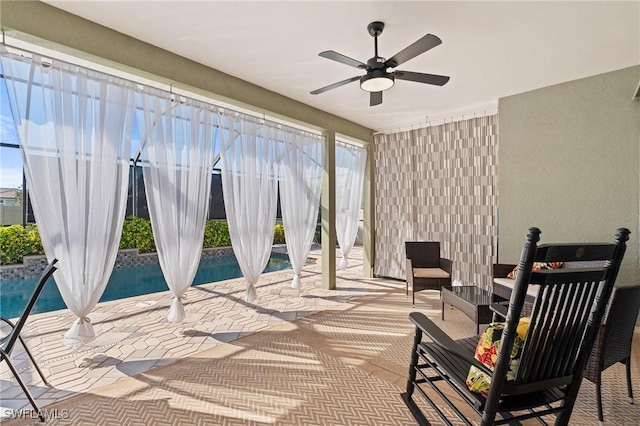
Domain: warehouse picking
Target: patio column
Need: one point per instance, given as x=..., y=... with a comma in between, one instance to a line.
x=368, y=246
x=328, y=213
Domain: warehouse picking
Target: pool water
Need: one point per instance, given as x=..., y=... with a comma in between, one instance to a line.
x=124, y=282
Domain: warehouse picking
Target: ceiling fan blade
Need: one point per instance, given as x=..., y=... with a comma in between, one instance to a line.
x=375, y=98
x=425, y=43
x=438, y=80
x=339, y=57
x=334, y=85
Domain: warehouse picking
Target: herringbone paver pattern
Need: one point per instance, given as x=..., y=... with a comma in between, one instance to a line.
x=134, y=336
x=344, y=365
x=277, y=380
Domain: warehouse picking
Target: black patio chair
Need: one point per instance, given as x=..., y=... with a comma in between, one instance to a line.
x=8, y=342
x=425, y=268
x=566, y=313
x=613, y=341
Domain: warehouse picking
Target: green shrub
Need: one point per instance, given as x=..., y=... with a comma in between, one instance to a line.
x=278, y=234
x=216, y=234
x=17, y=242
x=11, y=244
x=137, y=233
x=33, y=243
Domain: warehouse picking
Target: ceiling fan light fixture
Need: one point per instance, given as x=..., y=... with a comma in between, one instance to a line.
x=377, y=81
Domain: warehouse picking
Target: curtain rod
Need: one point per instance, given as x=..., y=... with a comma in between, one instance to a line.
x=142, y=82
x=443, y=119
x=348, y=144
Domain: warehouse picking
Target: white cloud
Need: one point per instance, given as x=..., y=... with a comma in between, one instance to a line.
x=8, y=130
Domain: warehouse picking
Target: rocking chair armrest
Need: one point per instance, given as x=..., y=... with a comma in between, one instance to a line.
x=443, y=340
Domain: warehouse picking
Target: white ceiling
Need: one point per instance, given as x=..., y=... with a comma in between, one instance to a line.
x=490, y=49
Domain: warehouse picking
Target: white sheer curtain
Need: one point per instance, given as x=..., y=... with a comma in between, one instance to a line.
x=177, y=161
x=351, y=161
x=250, y=186
x=300, y=185
x=75, y=131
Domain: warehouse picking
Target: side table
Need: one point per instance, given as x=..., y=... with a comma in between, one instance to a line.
x=471, y=300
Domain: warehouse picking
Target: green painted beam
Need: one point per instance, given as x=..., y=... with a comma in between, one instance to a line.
x=328, y=213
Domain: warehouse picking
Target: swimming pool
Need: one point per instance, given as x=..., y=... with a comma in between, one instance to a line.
x=124, y=282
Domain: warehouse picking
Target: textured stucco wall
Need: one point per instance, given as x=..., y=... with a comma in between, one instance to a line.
x=569, y=163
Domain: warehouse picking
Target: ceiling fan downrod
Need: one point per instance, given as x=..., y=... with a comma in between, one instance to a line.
x=375, y=29
x=375, y=43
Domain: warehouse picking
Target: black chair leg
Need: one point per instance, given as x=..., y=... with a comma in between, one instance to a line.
x=35, y=364
x=627, y=363
x=599, y=400
x=26, y=349
x=23, y=386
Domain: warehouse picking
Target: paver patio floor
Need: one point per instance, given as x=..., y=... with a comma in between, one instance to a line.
x=133, y=335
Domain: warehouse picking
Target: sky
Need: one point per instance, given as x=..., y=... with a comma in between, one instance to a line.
x=10, y=158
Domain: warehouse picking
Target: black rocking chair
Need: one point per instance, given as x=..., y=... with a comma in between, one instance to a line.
x=8, y=342
x=564, y=320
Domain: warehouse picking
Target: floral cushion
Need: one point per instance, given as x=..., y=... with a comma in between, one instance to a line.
x=487, y=353
x=536, y=267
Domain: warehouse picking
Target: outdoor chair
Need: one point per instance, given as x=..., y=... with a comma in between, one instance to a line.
x=532, y=371
x=503, y=286
x=500, y=273
x=426, y=270
x=613, y=341
x=8, y=342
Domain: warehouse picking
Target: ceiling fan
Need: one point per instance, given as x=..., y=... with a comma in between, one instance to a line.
x=378, y=77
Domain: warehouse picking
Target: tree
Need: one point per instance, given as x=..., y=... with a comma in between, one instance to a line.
x=18, y=196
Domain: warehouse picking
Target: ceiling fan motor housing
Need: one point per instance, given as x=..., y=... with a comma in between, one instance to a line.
x=376, y=63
